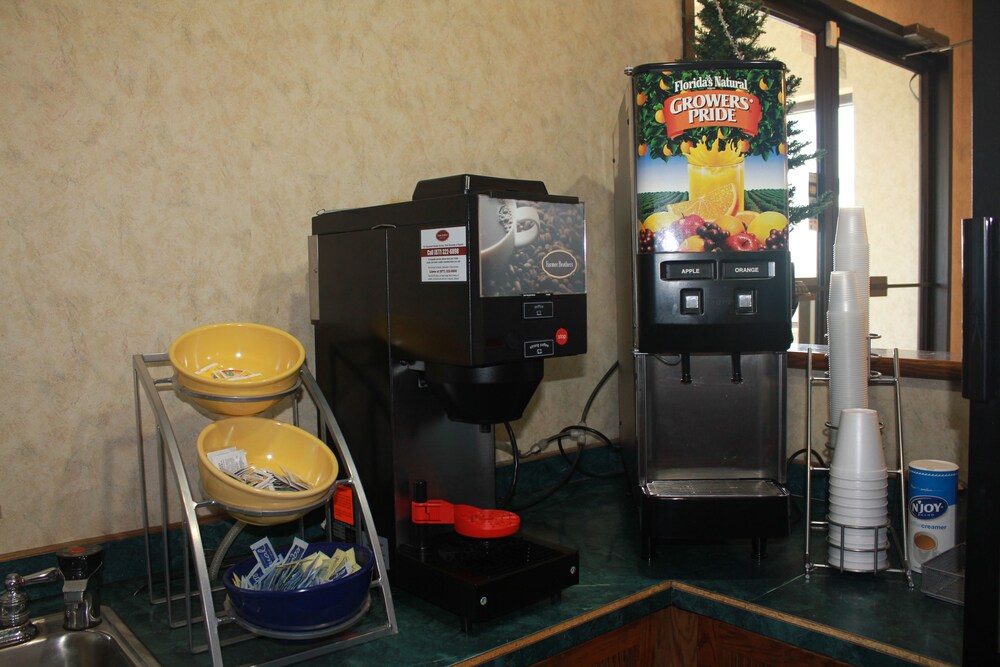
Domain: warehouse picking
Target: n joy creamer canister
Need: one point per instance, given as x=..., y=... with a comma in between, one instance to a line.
x=932, y=515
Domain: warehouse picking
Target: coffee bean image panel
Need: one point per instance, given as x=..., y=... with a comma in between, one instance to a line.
x=531, y=247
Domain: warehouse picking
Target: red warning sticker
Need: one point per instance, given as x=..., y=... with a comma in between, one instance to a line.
x=562, y=336
x=343, y=505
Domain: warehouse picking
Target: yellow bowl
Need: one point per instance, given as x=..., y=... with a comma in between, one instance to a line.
x=268, y=444
x=236, y=360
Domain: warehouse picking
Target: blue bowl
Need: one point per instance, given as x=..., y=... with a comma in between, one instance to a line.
x=306, y=609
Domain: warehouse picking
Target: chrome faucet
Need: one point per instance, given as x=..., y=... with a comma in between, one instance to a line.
x=81, y=569
x=15, y=619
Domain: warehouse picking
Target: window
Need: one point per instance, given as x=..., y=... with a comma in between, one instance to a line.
x=879, y=114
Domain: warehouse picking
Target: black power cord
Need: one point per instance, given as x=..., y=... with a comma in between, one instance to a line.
x=505, y=501
x=508, y=497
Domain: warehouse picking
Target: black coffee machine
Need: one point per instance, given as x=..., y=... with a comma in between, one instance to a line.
x=433, y=318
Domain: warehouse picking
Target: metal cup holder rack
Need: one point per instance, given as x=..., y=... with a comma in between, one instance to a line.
x=877, y=549
x=193, y=553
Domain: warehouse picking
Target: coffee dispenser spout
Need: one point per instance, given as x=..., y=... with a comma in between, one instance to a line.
x=685, y=368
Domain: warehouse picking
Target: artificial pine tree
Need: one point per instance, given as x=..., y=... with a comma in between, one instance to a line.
x=730, y=30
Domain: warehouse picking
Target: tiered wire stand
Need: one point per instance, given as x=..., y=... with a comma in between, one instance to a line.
x=200, y=589
x=894, y=544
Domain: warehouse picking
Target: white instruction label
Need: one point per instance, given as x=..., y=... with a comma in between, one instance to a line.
x=443, y=255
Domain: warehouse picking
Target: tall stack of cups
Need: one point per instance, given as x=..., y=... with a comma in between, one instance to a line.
x=848, y=349
x=851, y=253
x=857, y=539
x=848, y=339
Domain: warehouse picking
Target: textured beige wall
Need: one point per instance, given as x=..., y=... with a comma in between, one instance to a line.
x=161, y=162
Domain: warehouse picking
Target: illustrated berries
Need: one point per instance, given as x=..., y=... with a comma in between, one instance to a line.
x=713, y=235
x=645, y=240
x=777, y=239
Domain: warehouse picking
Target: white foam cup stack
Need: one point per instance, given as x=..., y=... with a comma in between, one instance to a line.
x=858, y=561
x=848, y=349
x=859, y=538
x=851, y=226
x=859, y=454
x=851, y=252
x=859, y=508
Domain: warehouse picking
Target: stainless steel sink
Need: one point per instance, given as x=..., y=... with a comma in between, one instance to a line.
x=110, y=644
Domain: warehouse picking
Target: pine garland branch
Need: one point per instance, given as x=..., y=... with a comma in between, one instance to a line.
x=730, y=30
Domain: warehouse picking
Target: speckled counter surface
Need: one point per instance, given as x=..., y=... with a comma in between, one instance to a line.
x=858, y=618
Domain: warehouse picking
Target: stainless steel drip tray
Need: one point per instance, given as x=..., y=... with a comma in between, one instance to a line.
x=715, y=488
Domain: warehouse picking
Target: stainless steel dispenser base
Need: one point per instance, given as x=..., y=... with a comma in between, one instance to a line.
x=715, y=488
x=708, y=457
x=711, y=509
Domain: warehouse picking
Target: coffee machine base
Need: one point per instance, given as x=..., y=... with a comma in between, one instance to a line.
x=480, y=579
x=710, y=509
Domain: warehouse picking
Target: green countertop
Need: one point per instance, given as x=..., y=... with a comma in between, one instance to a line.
x=858, y=618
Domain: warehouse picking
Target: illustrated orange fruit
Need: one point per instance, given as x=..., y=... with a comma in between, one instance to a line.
x=663, y=85
x=762, y=225
x=666, y=151
x=640, y=99
x=782, y=149
x=686, y=147
x=781, y=97
x=711, y=206
x=658, y=115
x=642, y=149
x=743, y=146
x=746, y=217
x=763, y=85
x=731, y=224
x=692, y=244
x=718, y=202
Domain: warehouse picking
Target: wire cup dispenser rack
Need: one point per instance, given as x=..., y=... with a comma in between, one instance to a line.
x=877, y=549
x=194, y=551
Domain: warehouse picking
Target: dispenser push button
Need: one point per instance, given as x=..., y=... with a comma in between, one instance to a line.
x=692, y=302
x=746, y=301
x=538, y=348
x=534, y=310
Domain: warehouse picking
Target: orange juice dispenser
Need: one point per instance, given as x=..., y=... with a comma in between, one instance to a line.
x=705, y=299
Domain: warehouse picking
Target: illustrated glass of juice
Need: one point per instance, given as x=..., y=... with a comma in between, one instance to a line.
x=710, y=146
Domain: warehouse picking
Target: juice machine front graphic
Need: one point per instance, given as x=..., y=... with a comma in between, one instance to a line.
x=705, y=299
x=433, y=319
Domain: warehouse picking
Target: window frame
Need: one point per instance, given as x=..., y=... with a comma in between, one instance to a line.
x=881, y=38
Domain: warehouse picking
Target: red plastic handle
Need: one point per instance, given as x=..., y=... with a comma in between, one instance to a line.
x=468, y=520
x=432, y=511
